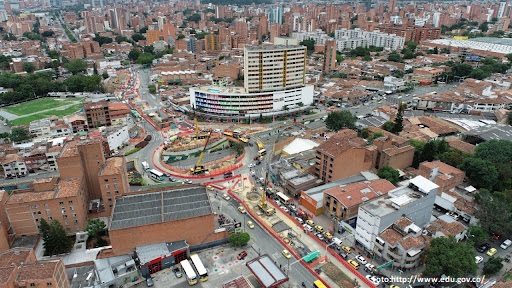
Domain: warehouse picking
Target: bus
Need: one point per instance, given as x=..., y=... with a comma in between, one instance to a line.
x=201, y=271
x=262, y=152
x=283, y=198
x=156, y=174
x=319, y=284
x=228, y=133
x=260, y=146
x=189, y=272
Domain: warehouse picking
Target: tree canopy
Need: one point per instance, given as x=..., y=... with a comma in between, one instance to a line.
x=239, y=239
x=496, y=151
x=390, y=174
x=19, y=135
x=76, y=66
x=449, y=257
x=494, y=213
x=310, y=44
x=492, y=266
x=55, y=239
x=476, y=235
x=340, y=119
x=481, y=173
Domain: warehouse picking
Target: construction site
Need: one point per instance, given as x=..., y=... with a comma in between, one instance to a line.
x=203, y=151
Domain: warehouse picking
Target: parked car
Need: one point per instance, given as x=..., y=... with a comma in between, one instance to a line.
x=319, y=228
x=343, y=254
x=226, y=197
x=242, y=209
x=177, y=272
x=479, y=259
x=506, y=244
x=483, y=247
x=310, y=223
x=374, y=279
x=361, y=259
x=492, y=251
x=242, y=255
x=299, y=219
x=346, y=249
x=251, y=165
x=188, y=181
x=353, y=264
x=149, y=282
x=369, y=267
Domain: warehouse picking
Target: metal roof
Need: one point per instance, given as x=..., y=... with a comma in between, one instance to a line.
x=159, y=207
x=266, y=271
x=147, y=253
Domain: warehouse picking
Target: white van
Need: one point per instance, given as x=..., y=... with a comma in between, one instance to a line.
x=336, y=241
x=506, y=244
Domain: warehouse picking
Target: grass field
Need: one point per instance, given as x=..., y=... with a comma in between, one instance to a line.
x=55, y=112
x=39, y=105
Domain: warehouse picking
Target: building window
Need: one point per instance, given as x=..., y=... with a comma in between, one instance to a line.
x=74, y=215
x=75, y=221
x=117, y=192
x=71, y=208
x=50, y=218
x=48, y=211
x=114, y=179
x=106, y=180
x=32, y=284
x=115, y=185
x=49, y=284
x=64, y=216
x=61, y=203
x=108, y=193
x=107, y=186
x=70, y=202
x=68, y=229
x=109, y=199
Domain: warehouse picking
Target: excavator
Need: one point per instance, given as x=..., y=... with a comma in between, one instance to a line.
x=199, y=168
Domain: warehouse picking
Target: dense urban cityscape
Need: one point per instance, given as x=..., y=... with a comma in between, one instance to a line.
x=255, y=144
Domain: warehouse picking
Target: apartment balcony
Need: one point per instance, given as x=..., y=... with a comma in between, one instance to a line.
x=394, y=255
x=379, y=245
x=413, y=258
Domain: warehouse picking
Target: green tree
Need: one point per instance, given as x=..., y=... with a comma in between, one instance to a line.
x=339, y=58
x=238, y=147
x=462, y=69
x=95, y=227
x=310, y=44
x=145, y=58
x=496, y=151
x=76, y=66
x=180, y=36
x=194, y=18
x=494, y=212
x=394, y=57
x=58, y=241
x=104, y=75
x=152, y=88
x=388, y=126
x=398, y=124
x=492, y=266
x=390, y=174
x=447, y=256
x=53, y=54
x=359, y=52
x=481, y=173
x=367, y=58
x=454, y=157
x=484, y=27
x=44, y=229
x=28, y=67
x=19, y=135
x=479, y=74
x=48, y=33
x=137, y=37
x=338, y=120
x=476, y=235
x=239, y=239
x=134, y=54
x=412, y=45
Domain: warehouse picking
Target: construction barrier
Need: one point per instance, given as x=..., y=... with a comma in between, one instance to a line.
x=331, y=251
x=274, y=234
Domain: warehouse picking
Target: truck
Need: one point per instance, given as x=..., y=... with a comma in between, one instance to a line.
x=145, y=165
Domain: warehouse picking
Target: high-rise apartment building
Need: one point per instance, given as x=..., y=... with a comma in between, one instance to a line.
x=329, y=56
x=274, y=84
x=271, y=68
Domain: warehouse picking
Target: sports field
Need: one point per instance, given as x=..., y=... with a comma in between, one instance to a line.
x=43, y=108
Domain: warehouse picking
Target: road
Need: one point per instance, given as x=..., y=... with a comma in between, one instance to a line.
x=263, y=243
x=27, y=179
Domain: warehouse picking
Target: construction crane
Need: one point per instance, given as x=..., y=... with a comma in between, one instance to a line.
x=197, y=127
x=199, y=168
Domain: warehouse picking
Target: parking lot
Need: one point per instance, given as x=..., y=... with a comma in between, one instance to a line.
x=222, y=266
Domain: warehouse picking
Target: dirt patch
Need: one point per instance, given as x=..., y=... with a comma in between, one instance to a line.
x=336, y=275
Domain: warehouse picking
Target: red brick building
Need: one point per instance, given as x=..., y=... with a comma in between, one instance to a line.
x=444, y=175
x=411, y=32
x=165, y=216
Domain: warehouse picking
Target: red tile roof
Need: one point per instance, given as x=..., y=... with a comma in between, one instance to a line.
x=353, y=194
x=39, y=270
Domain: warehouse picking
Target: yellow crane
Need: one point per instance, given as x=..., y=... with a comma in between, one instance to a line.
x=197, y=127
x=199, y=168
